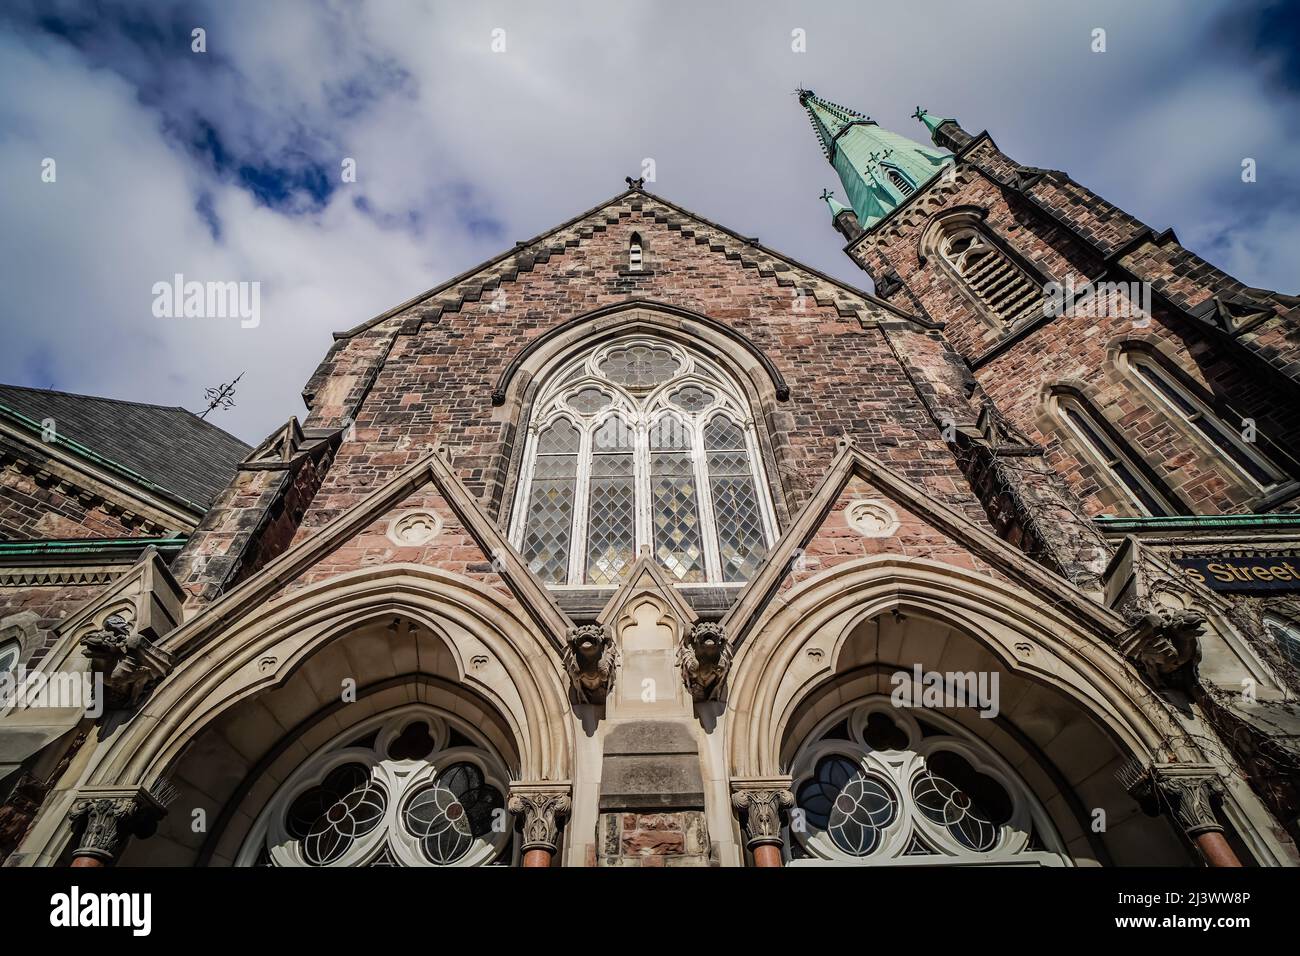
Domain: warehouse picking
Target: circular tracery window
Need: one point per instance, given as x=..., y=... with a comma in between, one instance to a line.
x=879, y=785
x=403, y=789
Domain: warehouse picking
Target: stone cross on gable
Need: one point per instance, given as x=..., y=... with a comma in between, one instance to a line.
x=635, y=183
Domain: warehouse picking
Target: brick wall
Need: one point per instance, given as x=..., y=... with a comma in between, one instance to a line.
x=1082, y=349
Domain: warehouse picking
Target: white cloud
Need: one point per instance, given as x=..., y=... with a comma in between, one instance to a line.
x=461, y=151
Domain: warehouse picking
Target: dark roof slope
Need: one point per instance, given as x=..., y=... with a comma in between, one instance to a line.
x=169, y=447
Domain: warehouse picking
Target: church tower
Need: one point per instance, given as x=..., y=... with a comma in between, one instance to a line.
x=1163, y=393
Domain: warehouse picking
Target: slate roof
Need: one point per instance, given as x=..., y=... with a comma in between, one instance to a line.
x=170, y=447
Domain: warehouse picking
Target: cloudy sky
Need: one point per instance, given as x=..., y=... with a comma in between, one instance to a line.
x=227, y=165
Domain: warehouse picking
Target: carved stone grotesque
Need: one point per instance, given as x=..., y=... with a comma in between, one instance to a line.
x=1162, y=641
x=591, y=660
x=704, y=656
x=128, y=661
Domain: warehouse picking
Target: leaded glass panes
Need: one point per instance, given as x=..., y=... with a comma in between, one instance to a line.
x=875, y=785
x=640, y=365
x=550, y=505
x=590, y=400
x=674, y=507
x=415, y=791
x=599, y=493
x=453, y=811
x=327, y=819
x=691, y=398
x=849, y=804
x=739, y=521
x=611, y=510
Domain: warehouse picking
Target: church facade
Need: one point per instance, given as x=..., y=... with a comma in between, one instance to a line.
x=643, y=544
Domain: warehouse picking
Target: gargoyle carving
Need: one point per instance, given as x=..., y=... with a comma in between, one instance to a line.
x=1162, y=641
x=591, y=660
x=128, y=661
x=704, y=656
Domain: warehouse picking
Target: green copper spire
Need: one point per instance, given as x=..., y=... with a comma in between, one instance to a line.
x=931, y=121
x=835, y=205
x=877, y=168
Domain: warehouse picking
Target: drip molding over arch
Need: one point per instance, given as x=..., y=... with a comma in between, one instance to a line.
x=773, y=673
x=534, y=355
x=524, y=682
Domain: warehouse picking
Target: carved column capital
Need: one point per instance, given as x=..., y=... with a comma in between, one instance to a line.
x=540, y=807
x=1187, y=792
x=105, y=819
x=761, y=804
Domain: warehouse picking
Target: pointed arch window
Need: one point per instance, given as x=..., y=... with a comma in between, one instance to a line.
x=899, y=181
x=634, y=253
x=1113, y=458
x=1226, y=438
x=642, y=443
x=10, y=651
x=1286, y=637
x=1007, y=295
x=877, y=785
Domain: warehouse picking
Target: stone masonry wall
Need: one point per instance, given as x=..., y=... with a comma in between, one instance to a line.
x=1082, y=350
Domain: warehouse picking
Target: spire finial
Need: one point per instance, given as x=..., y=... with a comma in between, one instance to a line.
x=919, y=114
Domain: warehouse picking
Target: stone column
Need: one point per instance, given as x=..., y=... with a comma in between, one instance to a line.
x=760, y=803
x=1189, y=795
x=105, y=819
x=540, y=807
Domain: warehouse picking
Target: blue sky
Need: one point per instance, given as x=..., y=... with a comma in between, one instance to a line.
x=226, y=165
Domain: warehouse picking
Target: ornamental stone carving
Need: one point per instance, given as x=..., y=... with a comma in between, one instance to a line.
x=761, y=810
x=591, y=659
x=871, y=518
x=1163, y=642
x=414, y=528
x=704, y=656
x=128, y=661
x=1188, y=793
x=540, y=809
x=105, y=820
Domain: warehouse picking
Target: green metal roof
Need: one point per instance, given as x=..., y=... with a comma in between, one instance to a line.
x=862, y=154
x=72, y=546
x=1118, y=523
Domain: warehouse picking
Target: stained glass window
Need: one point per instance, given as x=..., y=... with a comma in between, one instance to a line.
x=550, y=508
x=875, y=785
x=611, y=508
x=674, y=502
x=415, y=792
x=735, y=500
x=658, y=451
